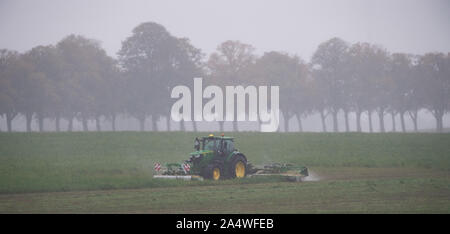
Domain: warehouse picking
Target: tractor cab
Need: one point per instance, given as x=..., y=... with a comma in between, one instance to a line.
x=221, y=146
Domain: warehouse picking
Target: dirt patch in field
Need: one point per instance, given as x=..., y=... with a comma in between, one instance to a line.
x=313, y=176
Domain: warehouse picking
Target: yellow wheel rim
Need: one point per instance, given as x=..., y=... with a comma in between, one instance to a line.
x=216, y=173
x=240, y=169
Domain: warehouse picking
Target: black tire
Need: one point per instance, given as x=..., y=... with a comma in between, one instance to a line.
x=234, y=162
x=208, y=172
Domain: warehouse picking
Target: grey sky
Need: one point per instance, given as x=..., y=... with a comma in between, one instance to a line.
x=296, y=27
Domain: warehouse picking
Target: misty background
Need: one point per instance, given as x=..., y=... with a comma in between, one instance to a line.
x=294, y=29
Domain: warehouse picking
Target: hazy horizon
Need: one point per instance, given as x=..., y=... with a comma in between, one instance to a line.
x=295, y=27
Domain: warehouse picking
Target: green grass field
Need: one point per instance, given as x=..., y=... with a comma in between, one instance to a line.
x=112, y=172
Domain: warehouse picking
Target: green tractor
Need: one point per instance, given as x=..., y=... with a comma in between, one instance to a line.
x=215, y=157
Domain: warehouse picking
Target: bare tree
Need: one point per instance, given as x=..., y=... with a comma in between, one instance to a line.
x=227, y=65
x=8, y=85
x=434, y=68
x=329, y=64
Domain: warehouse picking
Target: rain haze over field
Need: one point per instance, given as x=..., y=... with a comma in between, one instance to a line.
x=263, y=32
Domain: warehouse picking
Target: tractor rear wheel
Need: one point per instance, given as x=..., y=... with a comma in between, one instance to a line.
x=213, y=171
x=238, y=167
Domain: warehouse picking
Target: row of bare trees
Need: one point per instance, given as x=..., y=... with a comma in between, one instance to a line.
x=76, y=79
x=367, y=78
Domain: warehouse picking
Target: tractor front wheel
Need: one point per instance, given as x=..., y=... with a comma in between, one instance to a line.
x=213, y=172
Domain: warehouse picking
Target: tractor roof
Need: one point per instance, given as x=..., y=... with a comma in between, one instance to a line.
x=218, y=137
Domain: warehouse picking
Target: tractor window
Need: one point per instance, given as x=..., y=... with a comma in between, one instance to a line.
x=230, y=146
x=225, y=146
x=211, y=144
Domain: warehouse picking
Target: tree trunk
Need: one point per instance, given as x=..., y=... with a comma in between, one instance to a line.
x=194, y=125
x=381, y=119
x=394, y=129
x=402, y=121
x=286, y=124
x=57, y=122
x=235, y=126
x=154, y=124
x=335, y=122
x=369, y=114
x=168, y=123
x=413, y=115
x=40, y=119
x=141, y=120
x=221, y=123
x=28, y=119
x=9, y=119
x=358, y=121
x=322, y=116
x=85, y=124
x=415, y=125
x=97, y=124
x=438, y=115
x=300, y=125
x=70, y=126
x=182, y=125
x=439, y=124
x=347, y=127
x=113, y=122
